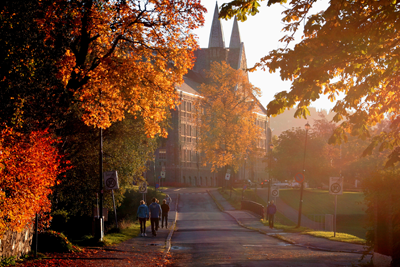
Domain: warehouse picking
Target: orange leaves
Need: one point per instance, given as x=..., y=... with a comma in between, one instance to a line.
x=227, y=129
x=131, y=66
x=31, y=165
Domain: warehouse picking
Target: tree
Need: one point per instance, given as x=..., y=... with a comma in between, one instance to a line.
x=225, y=117
x=123, y=56
x=29, y=166
x=351, y=48
x=126, y=150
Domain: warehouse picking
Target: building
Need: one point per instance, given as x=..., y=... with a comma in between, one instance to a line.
x=177, y=155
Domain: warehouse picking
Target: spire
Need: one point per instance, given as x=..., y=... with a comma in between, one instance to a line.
x=235, y=36
x=216, y=34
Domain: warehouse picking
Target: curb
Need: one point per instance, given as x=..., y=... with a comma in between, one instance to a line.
x=171, y=232
x=274, y=235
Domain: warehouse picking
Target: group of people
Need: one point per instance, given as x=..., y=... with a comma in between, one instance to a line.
x=155, y=212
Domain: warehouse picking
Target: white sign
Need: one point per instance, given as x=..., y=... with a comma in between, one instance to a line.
x=335, y=185
x=162, y=174
x=275, y=191
x=227, y=176
x=143, y=188
x=110, y=180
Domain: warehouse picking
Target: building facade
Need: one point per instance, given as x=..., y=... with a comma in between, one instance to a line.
x=177, y=156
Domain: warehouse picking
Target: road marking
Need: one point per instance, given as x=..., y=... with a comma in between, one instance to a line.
x=252, y=245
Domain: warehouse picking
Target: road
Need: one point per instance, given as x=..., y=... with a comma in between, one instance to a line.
x=205, y=236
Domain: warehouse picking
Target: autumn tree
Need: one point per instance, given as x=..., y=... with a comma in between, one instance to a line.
x=123, y=56
x=225, y=117
x=351, y=47
x=29, y=167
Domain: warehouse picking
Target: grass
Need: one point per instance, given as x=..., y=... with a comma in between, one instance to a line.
x=342, y=237
x=127, y=231
x=350, y=207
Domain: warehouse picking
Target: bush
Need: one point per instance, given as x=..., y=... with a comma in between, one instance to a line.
x=59, y=221
x=52, y=241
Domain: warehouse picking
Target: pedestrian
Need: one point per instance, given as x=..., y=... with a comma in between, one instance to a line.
x=143, y=215
x=158, y=221
x=168, y=199
x=271, y=210
x=155, y=214
x=164, y=216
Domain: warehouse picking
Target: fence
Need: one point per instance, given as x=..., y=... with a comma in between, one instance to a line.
x=253, y=206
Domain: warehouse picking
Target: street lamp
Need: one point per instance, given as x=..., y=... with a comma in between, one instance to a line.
x=245, y=181
x=307, y=126
x=271, y=146
x=154, y=164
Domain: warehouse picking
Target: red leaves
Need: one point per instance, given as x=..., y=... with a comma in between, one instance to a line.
x=29, y=167
x=97, y=257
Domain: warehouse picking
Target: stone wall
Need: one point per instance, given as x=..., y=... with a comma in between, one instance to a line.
x=16, y=244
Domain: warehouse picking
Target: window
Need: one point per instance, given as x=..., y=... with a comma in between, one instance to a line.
x=162, y=154
x=190, y=155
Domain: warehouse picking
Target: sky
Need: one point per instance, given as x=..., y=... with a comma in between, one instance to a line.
x=260, y=34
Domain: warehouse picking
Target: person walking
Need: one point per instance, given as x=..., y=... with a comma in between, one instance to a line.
x=271, y=210
x=164, y=216
x=155, y=214
x=143, y=215
x=168, y=199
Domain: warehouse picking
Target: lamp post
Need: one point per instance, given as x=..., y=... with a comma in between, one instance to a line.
x=307, y=126
x=245, y=159
x=271, y=146
x=154, y=175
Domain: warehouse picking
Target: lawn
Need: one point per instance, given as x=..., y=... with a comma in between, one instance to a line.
x=350, y=207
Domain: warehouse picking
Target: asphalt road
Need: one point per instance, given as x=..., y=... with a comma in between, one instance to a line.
x=205, y=236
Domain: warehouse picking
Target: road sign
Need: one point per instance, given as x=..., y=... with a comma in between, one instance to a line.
x=299, y=177
x=244, y=187
x=227, y=176
x=275, y=191
x=335, y=185
x=143, y=188
x=157, y=185
x=159, y=177
x=110, y=180
x=162, y=174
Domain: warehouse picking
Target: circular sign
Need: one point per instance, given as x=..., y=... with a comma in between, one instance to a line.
x=299, y=177
x=143, y=188
x=157, y=185
x=159, y=177
x=275, y=192
x=111, y=183
x=336, y=188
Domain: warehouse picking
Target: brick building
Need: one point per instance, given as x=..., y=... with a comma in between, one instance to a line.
x=177, y=155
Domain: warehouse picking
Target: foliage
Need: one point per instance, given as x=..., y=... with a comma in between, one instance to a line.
x=322, y=160
x=7, y=261
x=123, y=56
x=31, y=93
x=225, y=117
x=350, y=48
x=29, y=166
x=52, y=241
x=126, y=150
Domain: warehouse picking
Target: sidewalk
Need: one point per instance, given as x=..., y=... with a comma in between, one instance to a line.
x=248, y=220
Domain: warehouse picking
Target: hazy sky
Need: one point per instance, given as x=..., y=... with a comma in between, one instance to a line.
x=260, y=34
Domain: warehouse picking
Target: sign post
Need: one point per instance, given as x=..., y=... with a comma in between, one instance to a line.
x=335, y=188
x=143, y=188
x=111, y=183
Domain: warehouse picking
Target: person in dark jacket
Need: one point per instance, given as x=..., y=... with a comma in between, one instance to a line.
x=143, y=215
x=164, y=216
x=271, y=210
x=155, y=214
